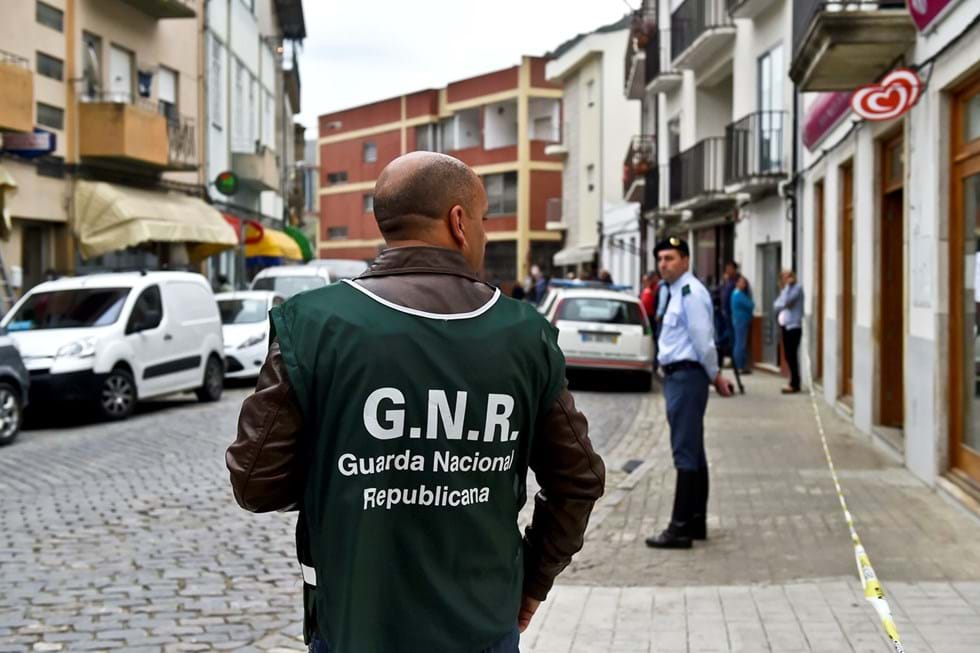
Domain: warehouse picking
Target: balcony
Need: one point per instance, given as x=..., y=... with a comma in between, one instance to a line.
x=755, y=156
x=697, y=177
x=258, y=171
x=748, y=8
x=113, y=129
x=641, y=160
x=839, y=46
x=17, y=91
x=165, y=8
x=662, y=77
x=700, y=30
x=559, y=149
x=641, y=42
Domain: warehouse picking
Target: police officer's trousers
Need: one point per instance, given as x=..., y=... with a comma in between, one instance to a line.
x=686, y=392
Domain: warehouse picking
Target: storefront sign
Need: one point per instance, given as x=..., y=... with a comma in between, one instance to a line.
x=925, y=12
x=825, y=112
x=897, y=93
x=29, y=145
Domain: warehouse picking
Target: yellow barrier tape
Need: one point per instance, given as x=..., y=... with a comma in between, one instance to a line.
x=873, y=592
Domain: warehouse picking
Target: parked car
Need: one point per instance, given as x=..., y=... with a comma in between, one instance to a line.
x=113, y=339
x=289, y=280
x=14, y=383
x=245, y=324
x=340, y=268
x=601, y=329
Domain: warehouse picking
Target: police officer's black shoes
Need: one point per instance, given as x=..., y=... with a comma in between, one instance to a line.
x=698, y=528
x=673, y=537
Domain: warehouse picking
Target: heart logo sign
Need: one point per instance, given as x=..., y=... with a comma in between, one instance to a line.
x=897, y=93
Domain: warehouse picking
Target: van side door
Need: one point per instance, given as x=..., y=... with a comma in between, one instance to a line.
x=147, y=335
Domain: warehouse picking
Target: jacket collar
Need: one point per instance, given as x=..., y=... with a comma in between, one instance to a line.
x=420, y=260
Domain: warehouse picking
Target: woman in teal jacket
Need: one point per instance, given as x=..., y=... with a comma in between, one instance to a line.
x=742, y=309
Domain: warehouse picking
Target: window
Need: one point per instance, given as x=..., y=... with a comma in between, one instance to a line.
x=269, y=129
x=167, y=93
x=92, y=65
x=239, y=141
x=147, y=312
x=50, y=116
x=425, y=138
x=120, y=74
x=216, y=84
x=69, y=309
x=501, y=193
x=49, y=66
x=243, y=311
x=253, y=110
x=603, y=311
x=590, y=92
x=770, y=106
x=674, y=136
x=590, y=176
x=368, y=202
x=370, y=152
x=336, y=233
x=337, y=177
x=50, y=16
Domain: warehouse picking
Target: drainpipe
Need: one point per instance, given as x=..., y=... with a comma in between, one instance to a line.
x=795, y=194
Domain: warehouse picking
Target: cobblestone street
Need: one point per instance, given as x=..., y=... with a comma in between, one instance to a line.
x=126, y=536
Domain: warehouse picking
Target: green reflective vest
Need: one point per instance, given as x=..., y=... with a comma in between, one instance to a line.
x=418, y=431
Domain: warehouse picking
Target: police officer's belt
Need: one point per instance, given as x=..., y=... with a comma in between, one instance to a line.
x=670, y=368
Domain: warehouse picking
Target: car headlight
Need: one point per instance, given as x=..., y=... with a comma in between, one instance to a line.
x=84, y=348
x=254, y=340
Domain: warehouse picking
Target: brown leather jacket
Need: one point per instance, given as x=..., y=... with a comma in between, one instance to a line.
x=267, y=474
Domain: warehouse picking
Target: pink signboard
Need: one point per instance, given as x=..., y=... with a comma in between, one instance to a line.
x=924, y=12
x=825, y=112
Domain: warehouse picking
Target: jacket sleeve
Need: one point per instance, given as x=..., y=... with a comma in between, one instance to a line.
x=794, y=294
x=572, y=477
x=780, y=302
x=264, y=461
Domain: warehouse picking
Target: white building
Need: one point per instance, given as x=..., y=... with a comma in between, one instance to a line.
x=890, y=223
x=252, y=88
x=597, y=125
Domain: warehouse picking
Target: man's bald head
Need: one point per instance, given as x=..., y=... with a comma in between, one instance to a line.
x=418, y=188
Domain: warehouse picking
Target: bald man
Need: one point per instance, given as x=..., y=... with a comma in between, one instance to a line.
x=399, y=413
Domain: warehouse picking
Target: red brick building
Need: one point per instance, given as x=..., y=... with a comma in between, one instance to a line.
x=498, y=123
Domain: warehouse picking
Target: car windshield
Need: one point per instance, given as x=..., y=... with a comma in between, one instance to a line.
x=288, y=286
x=606, y=311
x=243, y=311
x=69, y=309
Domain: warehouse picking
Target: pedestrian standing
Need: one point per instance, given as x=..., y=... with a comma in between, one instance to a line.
x=743, y=308
x=690, y=363
x=648, y=297
x=400, y=412
x=789, y=307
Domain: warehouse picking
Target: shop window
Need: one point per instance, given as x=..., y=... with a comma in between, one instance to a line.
x=50, y=116
x=49, y=66
x=501, y=193
x=50, y=16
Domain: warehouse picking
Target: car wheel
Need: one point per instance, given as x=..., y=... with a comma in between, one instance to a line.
x=117, y=398
x=11, y=413
x=214, y=380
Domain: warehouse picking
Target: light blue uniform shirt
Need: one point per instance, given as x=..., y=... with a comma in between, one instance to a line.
x=688, y=330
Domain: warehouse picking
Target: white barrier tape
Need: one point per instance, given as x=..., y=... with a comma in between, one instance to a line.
x=869, y=580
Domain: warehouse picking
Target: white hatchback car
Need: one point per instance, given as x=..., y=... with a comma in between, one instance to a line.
x=340, y=268
x=112, y=339
x=601, y=329
x=289, y=280
x=245, y=323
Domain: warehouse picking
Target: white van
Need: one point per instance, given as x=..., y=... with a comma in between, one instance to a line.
x=289, y=280
x=112, y=339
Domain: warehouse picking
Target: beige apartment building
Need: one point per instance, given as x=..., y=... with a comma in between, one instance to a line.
x=117, y=85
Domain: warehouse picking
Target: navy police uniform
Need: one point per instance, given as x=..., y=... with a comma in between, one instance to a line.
x=686, y=354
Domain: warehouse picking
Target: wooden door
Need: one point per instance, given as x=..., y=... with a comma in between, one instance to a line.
x=891, y=326
x=847, y=281
x=818, y=297
x=964, y=238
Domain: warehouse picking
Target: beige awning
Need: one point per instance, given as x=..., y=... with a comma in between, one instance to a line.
x=574, y=255
x=109, y=217
x=6, y=180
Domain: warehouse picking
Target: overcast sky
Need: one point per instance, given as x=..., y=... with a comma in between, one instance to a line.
x=359, y=51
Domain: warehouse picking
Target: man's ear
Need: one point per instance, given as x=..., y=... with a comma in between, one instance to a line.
x=457, y=224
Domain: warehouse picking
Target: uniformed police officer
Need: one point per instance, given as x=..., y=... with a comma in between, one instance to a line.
x=689, y=361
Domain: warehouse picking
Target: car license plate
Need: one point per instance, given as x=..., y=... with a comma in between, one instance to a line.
x=599, y=337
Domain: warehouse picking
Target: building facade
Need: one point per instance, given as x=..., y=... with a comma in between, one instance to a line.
x=112, y=176
x=252, y=86
x=597, y=124
x=891, y=213
x=715, y=151
x=499, y=123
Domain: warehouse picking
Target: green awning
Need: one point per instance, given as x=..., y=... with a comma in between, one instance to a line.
x=304, y=243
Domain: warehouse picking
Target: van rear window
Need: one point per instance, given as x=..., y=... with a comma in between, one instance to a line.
x=69, y=309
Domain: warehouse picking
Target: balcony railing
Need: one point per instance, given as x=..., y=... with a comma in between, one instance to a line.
x=693, y=19
x=842, y=45
x=698, y=172
x=641, y=157
x=755, y=148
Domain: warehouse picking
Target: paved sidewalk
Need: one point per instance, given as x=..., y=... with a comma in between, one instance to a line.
x=778, y=573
